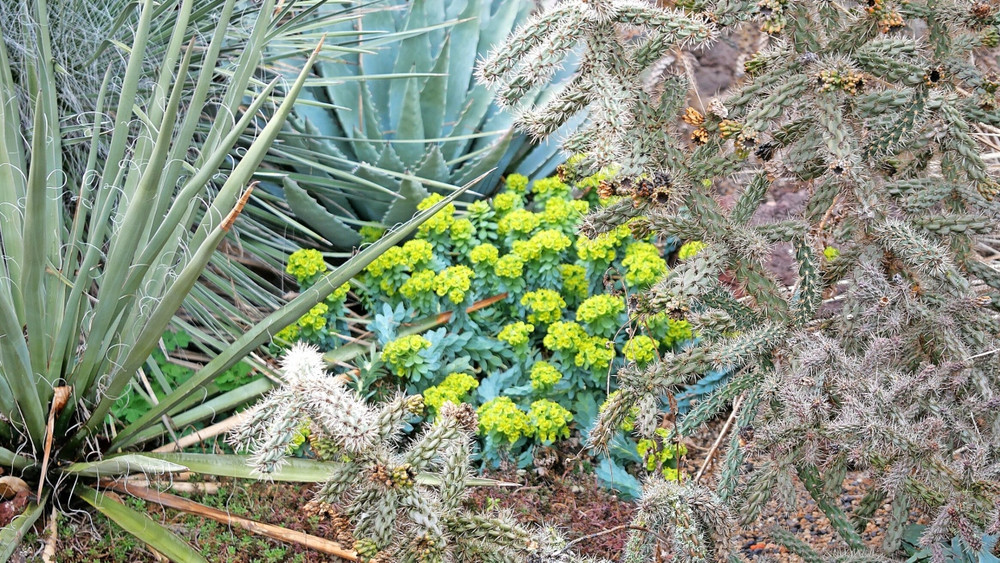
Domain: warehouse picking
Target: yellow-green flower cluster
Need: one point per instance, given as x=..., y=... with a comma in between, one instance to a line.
x=644, y=264
x=506, y=202
x=517, y=183
x=689, y=249
x=339, y=295
x=315, y=319
x=454, y=282
x=601, y=248
x=831, y=253
x=563, y=213
x=550, y=420
x=516, y=334
x=673, y=331
x=595, y=353
x=519, y=222
x=574, y=280
x=641, y=349
x=510, y=266
x=371, y=233
x=420, y=284
x=389, y=260
x=544, y=376
x=462, y=232
x=547, y=243
x=403, y=353
x=546, y=306
x=501, y=417
x=306, y=265
x=417, y=253
x=551, y=187
x=564, y=336
x=455, y=388
x=288, y=334
x=598, y=308
x=657, y=454
x=440, y=222
x=485, y=253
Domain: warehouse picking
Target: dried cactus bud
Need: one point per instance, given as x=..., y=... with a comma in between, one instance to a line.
x=464, y=415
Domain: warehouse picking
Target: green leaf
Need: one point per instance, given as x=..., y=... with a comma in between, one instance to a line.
x=297, y=470
x=315, y=215
x=141, y=526
x=123, y=465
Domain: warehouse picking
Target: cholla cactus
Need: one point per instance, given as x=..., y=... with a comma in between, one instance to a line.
x=881, y=354
x=405, y=505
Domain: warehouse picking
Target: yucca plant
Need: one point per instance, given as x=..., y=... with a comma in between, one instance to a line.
x=405, y=102
x=100, y=253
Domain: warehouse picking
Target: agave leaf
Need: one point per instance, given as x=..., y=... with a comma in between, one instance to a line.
x=413, y=54
x=433, y=95
x=309, y=210
x=410, y=126
x=462, y=62
x=12, y=534
x=489, y=160
x=434, y=166
x=402, y=209
x=141, y=526
x=125, y=464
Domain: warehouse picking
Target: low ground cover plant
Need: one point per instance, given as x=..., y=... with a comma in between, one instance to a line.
x=548, y=325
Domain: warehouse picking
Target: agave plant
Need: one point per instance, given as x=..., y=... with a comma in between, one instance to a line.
x=396, y=106
x=100, y=253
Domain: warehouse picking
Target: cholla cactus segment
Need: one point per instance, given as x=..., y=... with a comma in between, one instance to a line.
x=694, y=520
x=405, y=504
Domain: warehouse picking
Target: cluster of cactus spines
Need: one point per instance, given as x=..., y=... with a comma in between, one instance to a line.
x=680, y=522
x=881, y=354
x=405, y=503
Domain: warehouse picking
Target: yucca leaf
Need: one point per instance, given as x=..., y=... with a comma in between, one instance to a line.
x=125, y=464
x=141, y=526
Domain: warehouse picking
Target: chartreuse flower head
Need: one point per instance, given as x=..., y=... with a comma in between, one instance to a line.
x=439, y=224
x=510, y=270
x=501, y=418
x=564, y=336
x=402, y=355
x=689, y=249
x=315, y=320
x=419, y=289
x=545, y=305
x=602, y=314
x=660, y=455
x=595, y=354
x=463, y=235
x=517, y=183
x=455, y=389
x=307, y=265
x=517, y=335
x=371, y=233
x=574, y=282
x=831, y=253
x=644, y=264
x=484, y=254
x=544, y=376
x=641, y=349
x=417, y=254
x=549, y=420
x=551, y=187
x=518, y=223
x=288, y=335
x=545, y=246
x=504, y=203
x=601, y=249
x=669, y=331
x=454, y=282
x=562, y=214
